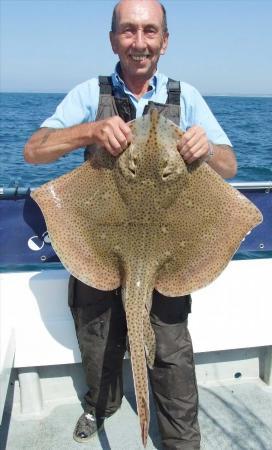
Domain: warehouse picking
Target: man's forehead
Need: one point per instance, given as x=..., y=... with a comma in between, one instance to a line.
x=139, y=10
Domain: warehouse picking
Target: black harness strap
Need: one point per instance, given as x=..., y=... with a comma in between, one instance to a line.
x=173, y=90
x=124, y=105
x=126, y=109
x=105, y=84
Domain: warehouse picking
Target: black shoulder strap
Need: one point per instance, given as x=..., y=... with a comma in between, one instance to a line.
x=105, y=84
x=125, y=108
x=173, y=90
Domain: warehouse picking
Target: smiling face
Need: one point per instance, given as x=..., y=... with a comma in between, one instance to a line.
x=139, y=38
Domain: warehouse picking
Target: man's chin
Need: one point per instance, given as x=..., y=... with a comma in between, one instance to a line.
x=145, y=72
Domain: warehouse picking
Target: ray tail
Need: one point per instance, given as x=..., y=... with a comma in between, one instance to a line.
x=137, y=296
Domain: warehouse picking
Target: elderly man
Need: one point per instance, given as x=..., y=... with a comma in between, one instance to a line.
x=95, y=113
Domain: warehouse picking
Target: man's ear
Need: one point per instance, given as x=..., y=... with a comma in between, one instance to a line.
x=113, y=42
x=164, y=42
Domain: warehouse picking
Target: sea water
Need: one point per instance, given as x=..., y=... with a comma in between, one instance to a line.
x=246, y=120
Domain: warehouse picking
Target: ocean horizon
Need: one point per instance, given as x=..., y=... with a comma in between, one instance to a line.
x=205, y=94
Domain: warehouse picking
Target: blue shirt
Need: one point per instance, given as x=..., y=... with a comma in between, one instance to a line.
x=81, y=103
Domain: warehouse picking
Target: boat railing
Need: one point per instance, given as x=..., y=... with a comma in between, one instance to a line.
x=253, y=185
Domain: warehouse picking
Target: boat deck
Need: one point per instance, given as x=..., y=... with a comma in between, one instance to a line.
x=233, y=415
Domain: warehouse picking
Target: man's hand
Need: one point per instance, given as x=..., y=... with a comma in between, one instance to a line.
x=113, y=134
x=194, y=144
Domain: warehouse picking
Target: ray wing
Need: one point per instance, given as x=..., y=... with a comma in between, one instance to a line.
x=80, y=209
x=204, y=229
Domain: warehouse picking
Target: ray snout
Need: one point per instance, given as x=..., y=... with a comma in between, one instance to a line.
x=172, y=168
x=168, y=168
x=154, y=117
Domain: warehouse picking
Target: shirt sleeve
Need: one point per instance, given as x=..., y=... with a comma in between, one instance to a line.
x=78, y=106
x=197, y=112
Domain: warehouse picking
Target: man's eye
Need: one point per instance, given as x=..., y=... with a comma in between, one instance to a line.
x=151, y=35
x=150, y=31
x=128, y=31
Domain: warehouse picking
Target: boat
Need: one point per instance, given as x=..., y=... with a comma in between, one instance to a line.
x=41, y=379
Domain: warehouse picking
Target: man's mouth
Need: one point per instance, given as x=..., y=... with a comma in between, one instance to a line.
x=139, y=57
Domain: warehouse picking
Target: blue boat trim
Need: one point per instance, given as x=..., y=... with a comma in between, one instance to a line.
x=25, y=243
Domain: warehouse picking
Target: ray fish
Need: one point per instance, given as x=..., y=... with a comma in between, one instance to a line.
x=145, y=220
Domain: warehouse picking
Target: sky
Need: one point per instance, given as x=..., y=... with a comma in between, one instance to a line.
x=218, y=46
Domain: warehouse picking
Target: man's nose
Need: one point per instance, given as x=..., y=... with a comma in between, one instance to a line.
x=139, y=42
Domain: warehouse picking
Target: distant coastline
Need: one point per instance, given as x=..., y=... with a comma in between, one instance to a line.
x=238, y=95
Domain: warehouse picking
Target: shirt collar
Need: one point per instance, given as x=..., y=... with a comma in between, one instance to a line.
x=118, y=82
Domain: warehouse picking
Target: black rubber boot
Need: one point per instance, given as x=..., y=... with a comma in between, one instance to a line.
x=87, y=426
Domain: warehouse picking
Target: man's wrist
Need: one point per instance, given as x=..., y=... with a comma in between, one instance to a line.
x=210, y=152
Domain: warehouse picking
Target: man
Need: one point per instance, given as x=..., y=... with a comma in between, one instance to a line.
x=95, y=113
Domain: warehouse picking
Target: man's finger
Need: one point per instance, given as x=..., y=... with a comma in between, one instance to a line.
x=196, y=151
x=127, y=131
x=115, y=146
x=121, y=138
x=193, y=140
x=194, y=157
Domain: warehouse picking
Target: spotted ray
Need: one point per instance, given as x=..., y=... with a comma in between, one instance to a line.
x=145, y=220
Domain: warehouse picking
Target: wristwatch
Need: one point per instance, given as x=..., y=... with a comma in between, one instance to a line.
x=210, y=153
